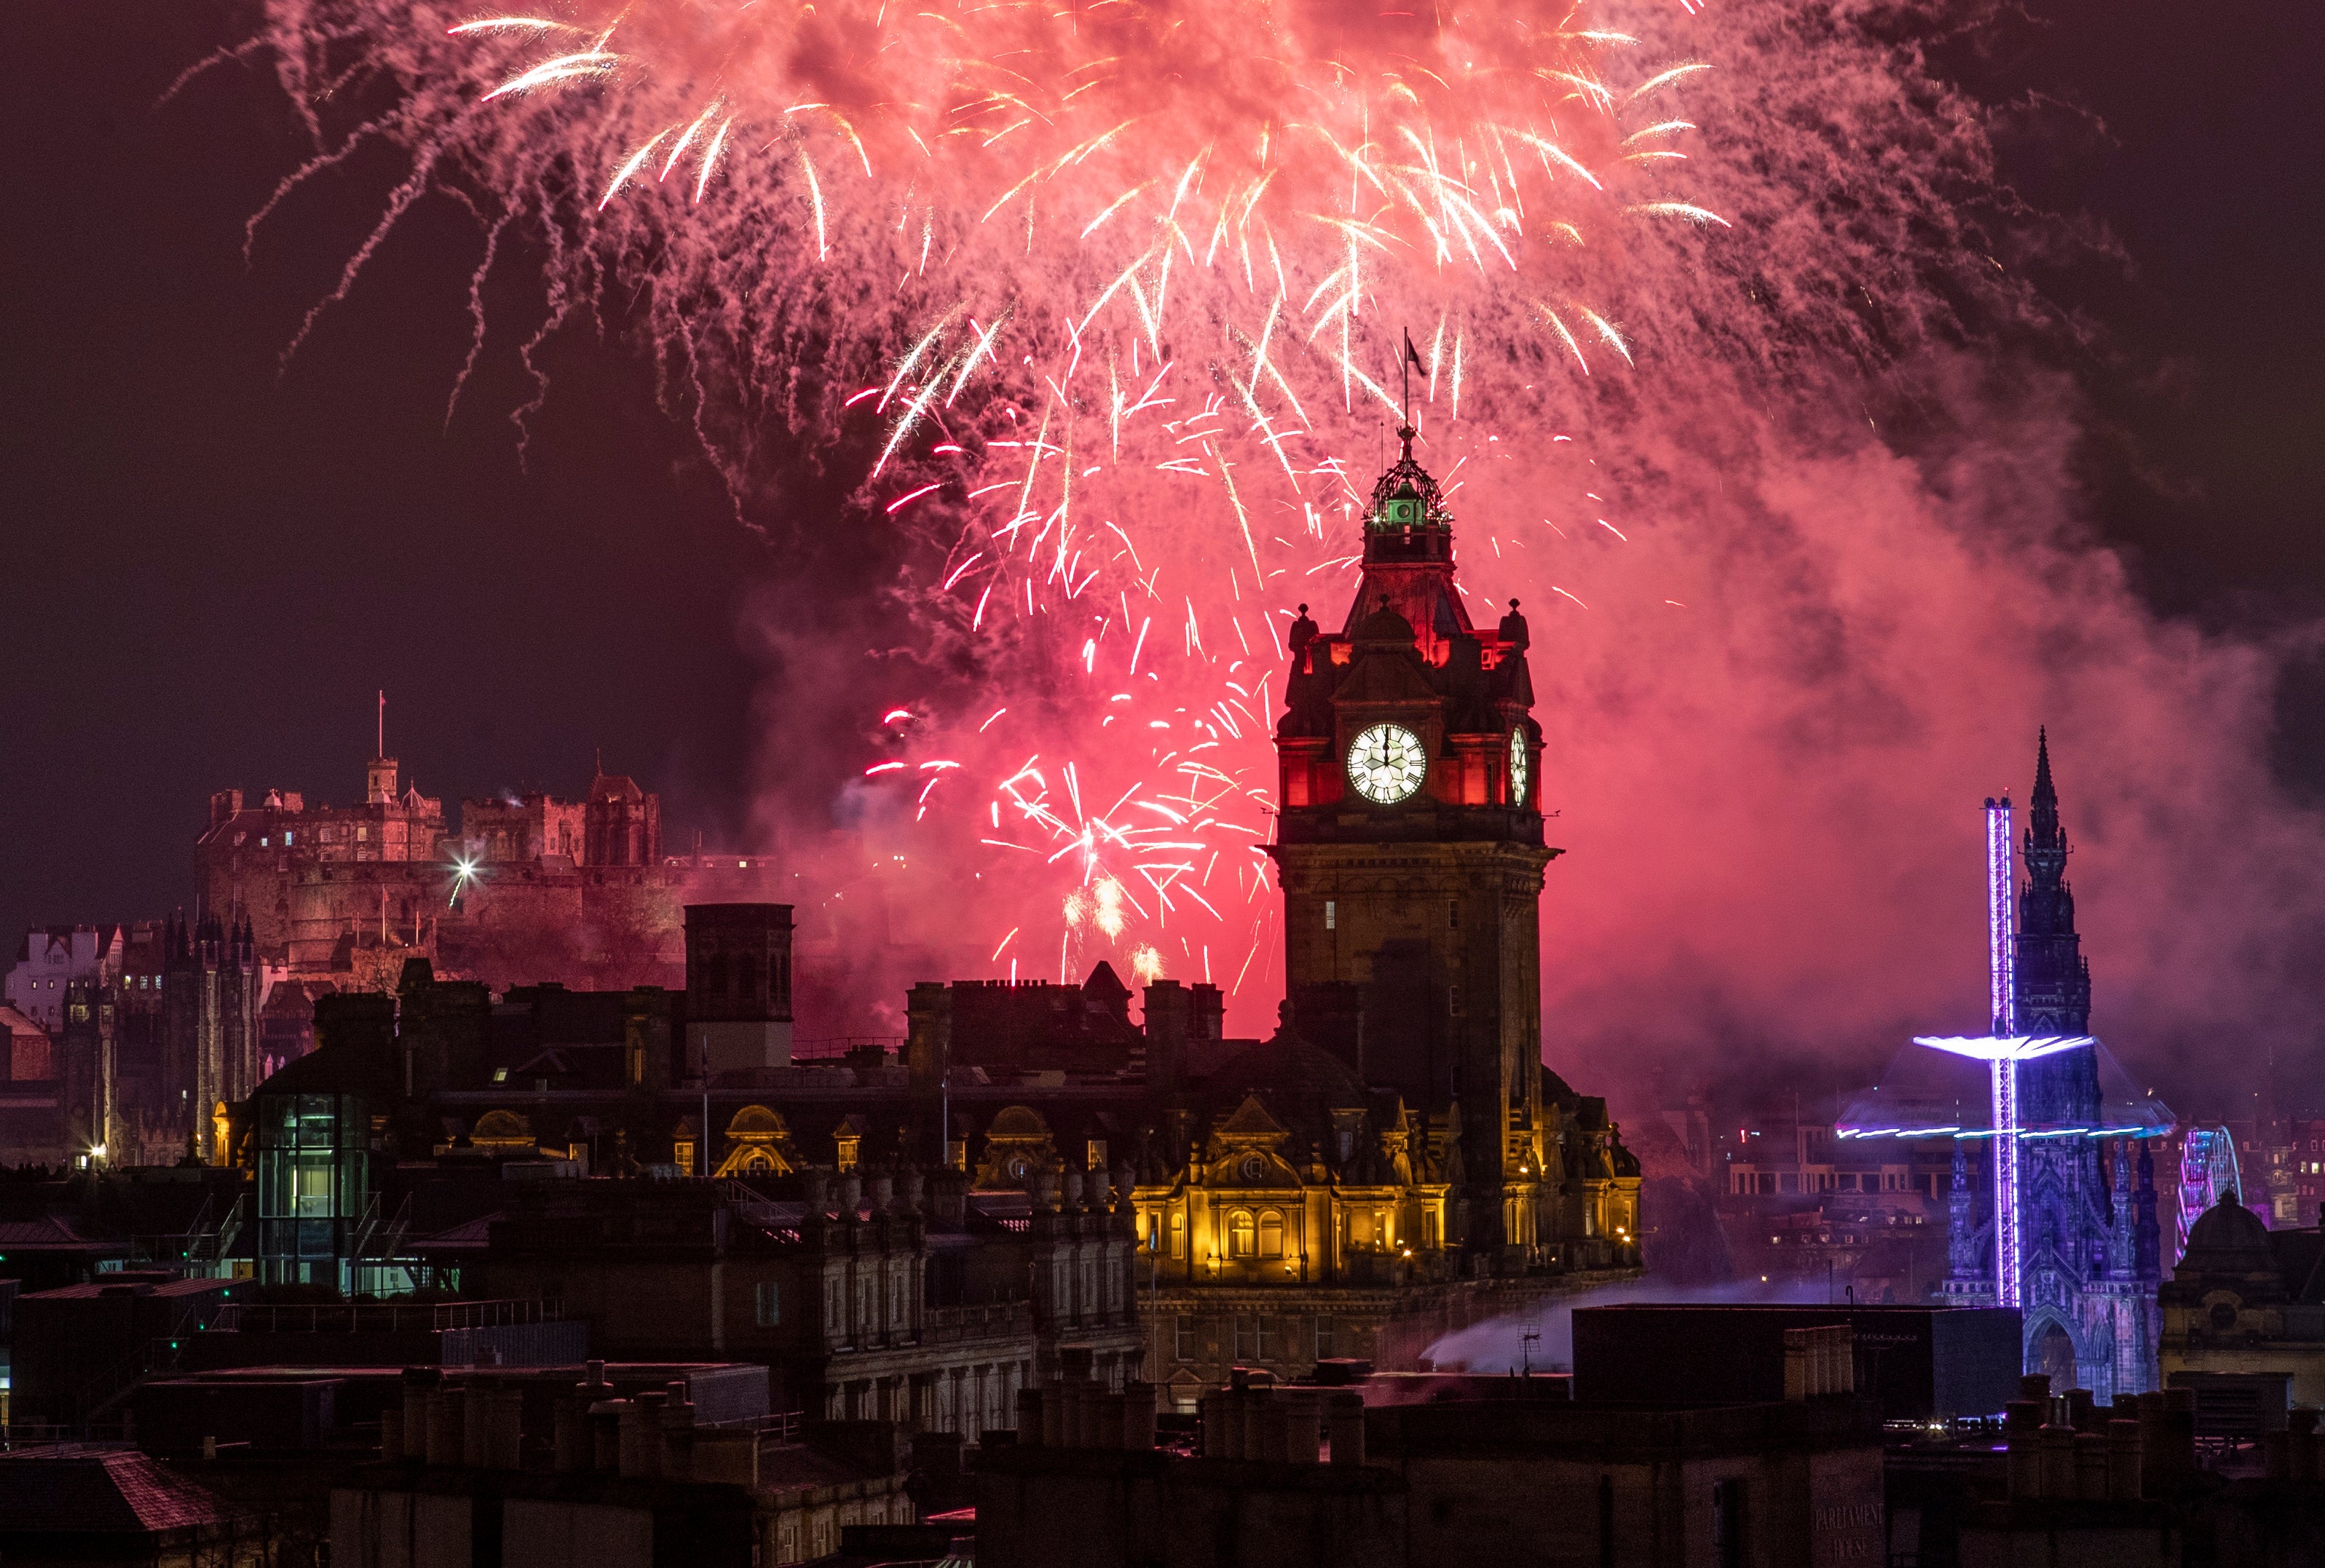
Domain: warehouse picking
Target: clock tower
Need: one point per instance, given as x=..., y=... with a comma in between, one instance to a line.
x=1409, y=849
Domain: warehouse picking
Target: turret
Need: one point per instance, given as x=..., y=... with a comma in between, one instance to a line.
x=2123, y=1224
x=2148, y=1239
x=1962, y=1259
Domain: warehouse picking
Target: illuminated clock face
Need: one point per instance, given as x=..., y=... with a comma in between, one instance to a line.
x=1386, y=764
x=1521, y=766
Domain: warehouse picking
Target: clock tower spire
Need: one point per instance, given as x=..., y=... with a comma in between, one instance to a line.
x=1410, y=851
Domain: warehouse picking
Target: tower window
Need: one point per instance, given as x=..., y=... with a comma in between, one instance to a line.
x=1331, y=914
x=1453, y=916
x=1453, y=1000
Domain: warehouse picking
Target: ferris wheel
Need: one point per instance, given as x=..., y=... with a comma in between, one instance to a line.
x=2208, y=1172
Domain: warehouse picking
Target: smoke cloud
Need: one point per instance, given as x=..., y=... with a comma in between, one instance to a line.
x=1735, y=373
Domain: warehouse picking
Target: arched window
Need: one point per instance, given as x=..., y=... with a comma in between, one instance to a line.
x=1178, y=1234
x=713, y=977
x=1271, y=1234
x=1240, y=1234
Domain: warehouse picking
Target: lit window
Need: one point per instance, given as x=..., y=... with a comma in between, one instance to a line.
x=1241, y=1234
x=1271, y=1234
x=1331, y=914
x=1177, y=1235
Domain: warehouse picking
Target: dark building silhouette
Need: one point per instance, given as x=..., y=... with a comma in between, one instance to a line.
x=738, y=987
x=210, y=995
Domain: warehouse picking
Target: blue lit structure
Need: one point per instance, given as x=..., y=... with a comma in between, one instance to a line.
x=2068, y=1227
x=2005, y=1053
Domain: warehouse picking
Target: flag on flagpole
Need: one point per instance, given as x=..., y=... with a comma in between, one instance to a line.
x=1412, y=355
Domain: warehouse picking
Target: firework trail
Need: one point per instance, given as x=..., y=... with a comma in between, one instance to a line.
x=1125, y=290
x=1113, y=301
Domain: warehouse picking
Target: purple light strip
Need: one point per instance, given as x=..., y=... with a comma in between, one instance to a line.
x=2000, y=882
x=2005, y=1181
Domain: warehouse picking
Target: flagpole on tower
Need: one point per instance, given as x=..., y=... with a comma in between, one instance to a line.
x=1411, y=362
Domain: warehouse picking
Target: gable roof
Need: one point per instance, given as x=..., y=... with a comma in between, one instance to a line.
x=1251, y=1119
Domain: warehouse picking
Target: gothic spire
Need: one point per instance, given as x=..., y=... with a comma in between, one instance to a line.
x=2053, y=982
x=2045, y=837
x=2049, y=908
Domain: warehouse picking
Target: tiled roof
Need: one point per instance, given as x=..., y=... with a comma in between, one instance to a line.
x=85, y=1491
x=159, y=1289
x=48, y=1230
x=474, y=1234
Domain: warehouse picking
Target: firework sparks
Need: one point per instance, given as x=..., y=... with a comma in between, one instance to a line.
x=1144, y=324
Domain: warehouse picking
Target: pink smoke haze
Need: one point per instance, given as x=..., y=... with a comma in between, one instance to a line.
x=1726, y=361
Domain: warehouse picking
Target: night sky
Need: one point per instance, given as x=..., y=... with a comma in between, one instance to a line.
x=214, y=560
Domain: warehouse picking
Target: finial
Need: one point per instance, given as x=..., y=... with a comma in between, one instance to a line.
x=1405, y=434
x=1303, y=609
x=1513, y=604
